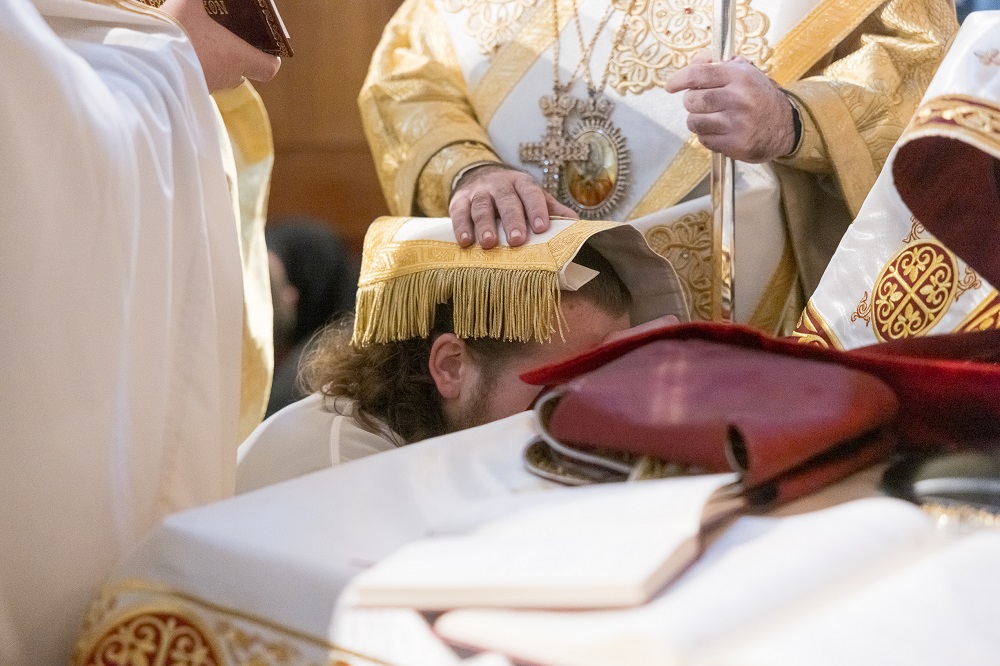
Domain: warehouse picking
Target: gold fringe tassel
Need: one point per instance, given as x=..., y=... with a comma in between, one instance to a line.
x=511, y=305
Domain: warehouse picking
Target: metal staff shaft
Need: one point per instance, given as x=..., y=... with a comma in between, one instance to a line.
x=723, y=184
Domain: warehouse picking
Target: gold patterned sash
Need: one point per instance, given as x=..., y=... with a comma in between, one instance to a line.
x=516, y=57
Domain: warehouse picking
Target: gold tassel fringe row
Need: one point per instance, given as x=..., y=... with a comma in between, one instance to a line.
x=511, y=305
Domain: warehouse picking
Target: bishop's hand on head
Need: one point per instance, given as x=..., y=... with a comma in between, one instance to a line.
x=490, y=192
x=735, y=109
x=225, y=58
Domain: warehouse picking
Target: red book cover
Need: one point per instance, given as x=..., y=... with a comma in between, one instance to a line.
x=254, y=21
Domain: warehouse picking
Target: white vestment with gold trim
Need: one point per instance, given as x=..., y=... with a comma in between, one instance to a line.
x=121, y=296
x=890, y=278
x=458, y=81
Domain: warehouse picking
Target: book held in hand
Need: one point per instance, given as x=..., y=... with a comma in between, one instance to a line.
x=256, y=22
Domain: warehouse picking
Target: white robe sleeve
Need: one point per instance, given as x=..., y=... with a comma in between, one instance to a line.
x=120, y=304
x=304, y=437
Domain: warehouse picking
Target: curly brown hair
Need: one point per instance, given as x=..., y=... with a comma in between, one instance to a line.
x=391, y=384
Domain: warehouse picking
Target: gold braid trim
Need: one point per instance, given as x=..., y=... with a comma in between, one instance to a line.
x=508, y=304
x=775, y=299
x=508, y=293
x=985, y=316
x=685, y=171
x=813, y=330
x=971, y=119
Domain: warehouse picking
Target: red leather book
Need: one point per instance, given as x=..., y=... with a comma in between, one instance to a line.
x=789, y=417
x=721, y=407
x=256, y=22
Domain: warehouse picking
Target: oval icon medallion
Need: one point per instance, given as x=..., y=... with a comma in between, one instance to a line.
x=592, y=182
x=595, y=186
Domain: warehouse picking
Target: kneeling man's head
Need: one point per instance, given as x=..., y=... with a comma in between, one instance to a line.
x=442, y=334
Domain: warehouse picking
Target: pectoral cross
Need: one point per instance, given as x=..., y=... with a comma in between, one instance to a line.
x=555, y=148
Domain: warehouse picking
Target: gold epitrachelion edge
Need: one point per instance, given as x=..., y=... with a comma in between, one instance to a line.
x=516, y=57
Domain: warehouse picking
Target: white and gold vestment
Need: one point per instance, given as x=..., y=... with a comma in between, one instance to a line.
x=456, y=82
x=890, y=278
x=122, y=296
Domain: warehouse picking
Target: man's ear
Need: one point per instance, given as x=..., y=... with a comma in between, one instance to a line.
x=449, y=365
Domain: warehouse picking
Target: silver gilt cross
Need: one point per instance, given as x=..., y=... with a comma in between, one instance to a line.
x=555, y=148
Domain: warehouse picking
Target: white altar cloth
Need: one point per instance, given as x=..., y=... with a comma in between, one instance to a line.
x=263, y=575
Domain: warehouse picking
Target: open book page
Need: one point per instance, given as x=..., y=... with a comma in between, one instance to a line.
x=758, y=571
x=593, y=547
x=941, y=609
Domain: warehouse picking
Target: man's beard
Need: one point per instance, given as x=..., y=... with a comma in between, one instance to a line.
x=476, y=411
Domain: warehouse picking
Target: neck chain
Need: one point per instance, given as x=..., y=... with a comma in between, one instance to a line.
x=587, y=166
x=585, y=49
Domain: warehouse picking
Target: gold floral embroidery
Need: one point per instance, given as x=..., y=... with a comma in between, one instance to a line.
x=250, y=648
x=687, y=244
x=985, y=316
x=136, y=622
x=969, y=281
x=873, y=106
x=662, y=35
x=989, y=57
x=913, y=291
x=916, y=231
x=167, y=636
x=812, y=330
x=491, y=22
x=863, y=311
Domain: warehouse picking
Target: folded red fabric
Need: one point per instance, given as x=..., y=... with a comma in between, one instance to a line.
x=718, y=406
x=958, y=198
x=948, y=386
x=788, y=416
